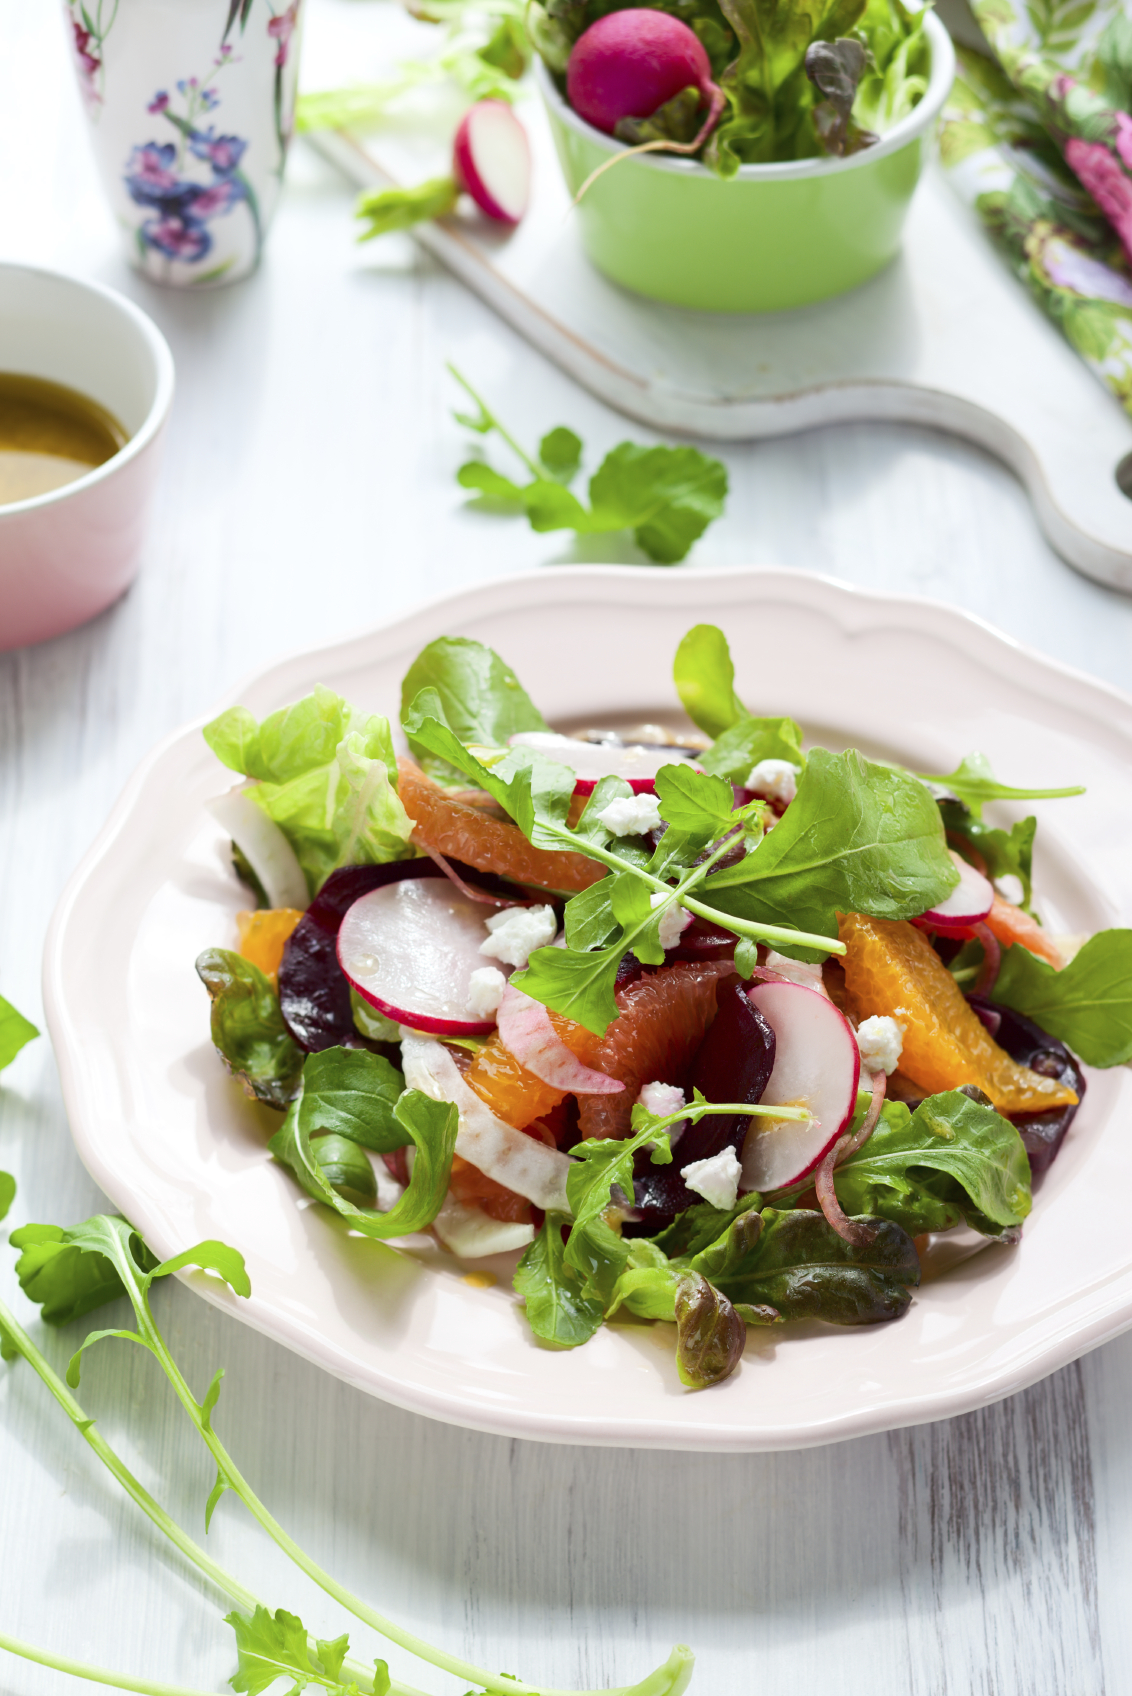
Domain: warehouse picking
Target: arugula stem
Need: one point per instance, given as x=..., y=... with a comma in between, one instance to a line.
x=758, y=932
x=224, y=1581
x=536, y=470
x=96, y=1675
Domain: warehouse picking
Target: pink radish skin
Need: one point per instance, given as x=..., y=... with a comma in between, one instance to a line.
x=591, y=761
x=526, y=1031
x=491, y=160
x=410, y=948
x=817, y=1065
x=630, y=63
x=969, y=902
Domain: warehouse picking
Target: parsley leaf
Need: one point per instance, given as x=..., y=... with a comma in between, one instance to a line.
x=15, y=1031
x=666, y=496
x=1087, y=1004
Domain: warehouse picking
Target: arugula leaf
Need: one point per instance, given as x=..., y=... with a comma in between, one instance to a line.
x=699, y=1225
x=400, y=208
x=694, y=803
x=15, y=1031
x=326, y=774
x=7, y=1193
x=795, y=1263
x=974, y=783
x=557, y=1309
x=753, y=739
x=705, y=680
x=666, y=496
x=481, y=699
x=247, y=1027
x=64, y=1280
x=345, y=1167
x=951, y=1159
x=1087, y=1004
x=273, y=1646
x=858, y=838
x=353, y=1093
x=1006, y=853
x=431, y=1125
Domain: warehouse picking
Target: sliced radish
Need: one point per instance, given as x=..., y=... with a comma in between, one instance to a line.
x=518, y=1162
x=526, y=1030
x=591, y=761
x=969, y=902
x=410, y=949
x=491, y=159
x=817, y=1065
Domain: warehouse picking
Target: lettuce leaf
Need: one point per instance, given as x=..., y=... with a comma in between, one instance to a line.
x=247, y=1027
x=1087, y=1004
x=327, y=774
x=901, y=64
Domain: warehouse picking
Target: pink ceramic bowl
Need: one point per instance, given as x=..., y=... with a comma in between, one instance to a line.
x=66, y=555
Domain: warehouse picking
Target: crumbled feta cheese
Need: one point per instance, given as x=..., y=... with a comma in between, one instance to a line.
x=797, y=971
x=673, y=924
x=661, y=1099
x=631, y=815
x=485, y=991
x=777, y=780
x=1010, y=888
x=717, y=1179
x=880, y=1041
x=517, y=931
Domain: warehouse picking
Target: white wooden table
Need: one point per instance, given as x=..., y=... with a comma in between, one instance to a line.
x=309, y=491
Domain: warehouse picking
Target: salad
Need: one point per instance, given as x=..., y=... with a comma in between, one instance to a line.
x=712, y=1028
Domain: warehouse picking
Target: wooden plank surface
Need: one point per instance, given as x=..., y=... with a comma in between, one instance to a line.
x=309, y=491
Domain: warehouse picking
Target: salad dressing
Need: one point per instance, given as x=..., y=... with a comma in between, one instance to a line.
x=50, y=436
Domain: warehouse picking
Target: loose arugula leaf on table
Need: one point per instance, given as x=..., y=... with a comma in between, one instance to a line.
x=1006, y=853
x=352, y=1093
x=386, y=210
x=15, y=1031
x=430, y=1125
x=951, y=1160
x=974, y=784
x=247, y=1027
x=1087, y=1004
x=7, y=1193
x=557, y=1309
x=666, y=496
x=273, y=1646
x=858, y=838
x=482, y=700
x=65, y=1281
x=326, y=773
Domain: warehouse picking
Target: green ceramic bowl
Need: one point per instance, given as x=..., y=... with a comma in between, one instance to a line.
x=773, y=236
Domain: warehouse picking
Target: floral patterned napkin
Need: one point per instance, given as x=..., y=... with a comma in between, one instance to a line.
x=1039, y=141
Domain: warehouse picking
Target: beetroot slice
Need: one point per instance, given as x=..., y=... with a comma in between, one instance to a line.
x=732, y=1063
x=1026, y=1043
x=314, y=996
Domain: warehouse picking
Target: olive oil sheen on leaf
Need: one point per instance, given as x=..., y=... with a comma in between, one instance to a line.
x=49, y=436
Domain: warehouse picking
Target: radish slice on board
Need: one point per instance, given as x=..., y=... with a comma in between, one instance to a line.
x=518, y=1162
x=526, y=1030
x=410, y=949
x=817, y=1065
x=491, y=159
x=969, y=902
x=591, y=761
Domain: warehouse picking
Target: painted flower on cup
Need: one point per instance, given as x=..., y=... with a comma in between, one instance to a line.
x=182, y=205
x=282, y=28
x=89, y=30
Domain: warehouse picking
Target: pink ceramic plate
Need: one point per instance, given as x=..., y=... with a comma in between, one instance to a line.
x=181, y=1152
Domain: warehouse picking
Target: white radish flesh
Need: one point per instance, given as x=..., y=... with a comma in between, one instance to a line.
x=969, y=902
x=410, y=949
x=816, y=1066
x=264, y=847
x=518, y=1162
x=591, y=761
x=491, y=159
x=527, y=1033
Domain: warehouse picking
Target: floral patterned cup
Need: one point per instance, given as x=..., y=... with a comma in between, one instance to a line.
x=191, y=106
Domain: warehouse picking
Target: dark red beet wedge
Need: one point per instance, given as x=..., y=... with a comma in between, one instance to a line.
x=1042, y=1133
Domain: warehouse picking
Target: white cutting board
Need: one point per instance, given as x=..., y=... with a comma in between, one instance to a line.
x=944, y=337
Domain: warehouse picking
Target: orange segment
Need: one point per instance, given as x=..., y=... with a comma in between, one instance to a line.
x=1010, y=924
x=475, y=1189
x=491, y=845
x=263, y=933
x=891, y=968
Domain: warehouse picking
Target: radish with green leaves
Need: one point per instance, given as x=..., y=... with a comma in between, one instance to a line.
x=629, y=64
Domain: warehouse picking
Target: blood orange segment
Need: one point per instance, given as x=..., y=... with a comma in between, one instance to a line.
x=514, y=1094
x=491, y=845
x=662, y=1020
x=891, y=968
x=262, y=935
x=1010, y=924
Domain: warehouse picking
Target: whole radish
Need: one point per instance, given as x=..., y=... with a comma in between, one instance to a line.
x=630, y=63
